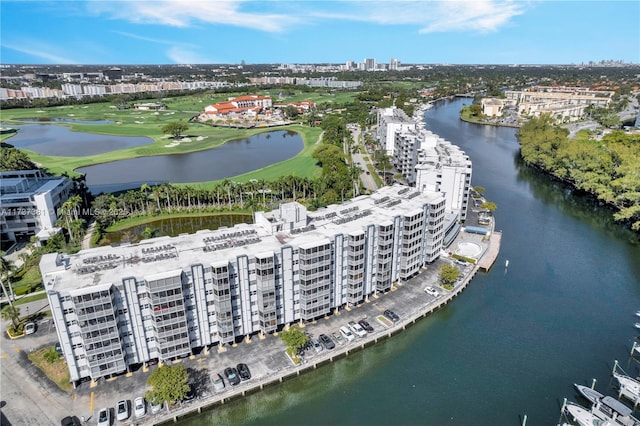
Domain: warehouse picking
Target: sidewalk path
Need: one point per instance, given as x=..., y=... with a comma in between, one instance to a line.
x=86, y=241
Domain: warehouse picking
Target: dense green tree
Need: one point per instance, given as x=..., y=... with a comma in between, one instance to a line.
x=7, y=267
x=607, y=168
x=448, y=274
x=480, y=189
x=169, y=383
x=11, y=312
x=488, y=205
x=15, y=159
x=175, y=128
x=51, y=355
x=294, y=338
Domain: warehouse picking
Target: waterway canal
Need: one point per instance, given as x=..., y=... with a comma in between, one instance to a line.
x=513, y=343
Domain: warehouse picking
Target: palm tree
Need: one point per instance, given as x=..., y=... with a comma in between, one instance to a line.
x=156, y=190
x=354, y=174
x=75, y=229
x=6, y=269
x=12, y=313
x=144, y=189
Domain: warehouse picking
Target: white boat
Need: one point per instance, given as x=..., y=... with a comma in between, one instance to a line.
x=637, y=325
x=591, y=395
x=606, y=411
x=581, y=415
x=638, y=313
x=629, y=387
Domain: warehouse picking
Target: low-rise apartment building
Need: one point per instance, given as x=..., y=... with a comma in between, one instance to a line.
x=562, y=103
x=163, y=298
x=30, y=200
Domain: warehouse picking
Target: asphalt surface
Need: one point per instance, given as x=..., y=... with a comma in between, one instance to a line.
x=29, y=398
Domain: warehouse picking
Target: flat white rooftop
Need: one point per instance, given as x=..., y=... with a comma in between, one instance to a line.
x=104, y=265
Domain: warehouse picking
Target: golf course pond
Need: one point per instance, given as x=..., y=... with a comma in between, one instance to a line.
x=51, y=139
x=63, y=120
x=231, y=159
x=174, y=226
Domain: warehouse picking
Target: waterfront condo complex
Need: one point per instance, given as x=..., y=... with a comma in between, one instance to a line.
x=425, y=160
x=166, y=297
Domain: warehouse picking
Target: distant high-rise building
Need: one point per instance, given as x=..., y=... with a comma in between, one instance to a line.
x=369, y=64
x=113, y=73
x=394, y=64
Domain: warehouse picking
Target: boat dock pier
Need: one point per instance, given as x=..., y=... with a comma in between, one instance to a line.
x=490, y=256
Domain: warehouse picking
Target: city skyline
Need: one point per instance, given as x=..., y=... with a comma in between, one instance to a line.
x=197, y=32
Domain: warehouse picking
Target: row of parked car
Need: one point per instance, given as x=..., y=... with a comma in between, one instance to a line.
x=345, y=334
x=123, y=411
x=234, y=376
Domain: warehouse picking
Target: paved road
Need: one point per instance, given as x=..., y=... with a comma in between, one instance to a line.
x=358, y=160
x=575, y=128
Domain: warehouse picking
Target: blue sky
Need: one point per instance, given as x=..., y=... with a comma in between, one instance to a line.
x=306, y=31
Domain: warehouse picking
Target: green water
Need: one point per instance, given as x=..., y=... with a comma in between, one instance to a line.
x=175, y=226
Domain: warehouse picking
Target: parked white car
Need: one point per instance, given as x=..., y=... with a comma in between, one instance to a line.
x=139, y=407
x=344, y=330
x=104, y=417
x=357, y=329
x=29, y=328
x=431, y=291
x=122, y=410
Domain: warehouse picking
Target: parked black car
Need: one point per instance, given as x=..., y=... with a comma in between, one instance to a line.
x=364, y=324
x=243, y=371
x=326, y=341
x=70, y=421
x=391, y=315
x=232, y=375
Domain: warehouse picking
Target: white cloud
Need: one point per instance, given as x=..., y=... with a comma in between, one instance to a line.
x=186, y=13
x=482, y=16
x=430, y=16
x=37, y=50
x=143, y=38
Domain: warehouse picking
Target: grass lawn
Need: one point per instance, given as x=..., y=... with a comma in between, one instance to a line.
x=29, y=281
x=30, y=298
x=56, y=371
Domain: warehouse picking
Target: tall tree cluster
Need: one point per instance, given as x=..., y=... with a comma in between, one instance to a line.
x=608, y=168
x=15, y=159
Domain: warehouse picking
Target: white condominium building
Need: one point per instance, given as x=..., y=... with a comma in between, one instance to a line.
x=433, y=164
x=445, y=168
x=163, y=298
x=30, y=200
x=391, y=121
